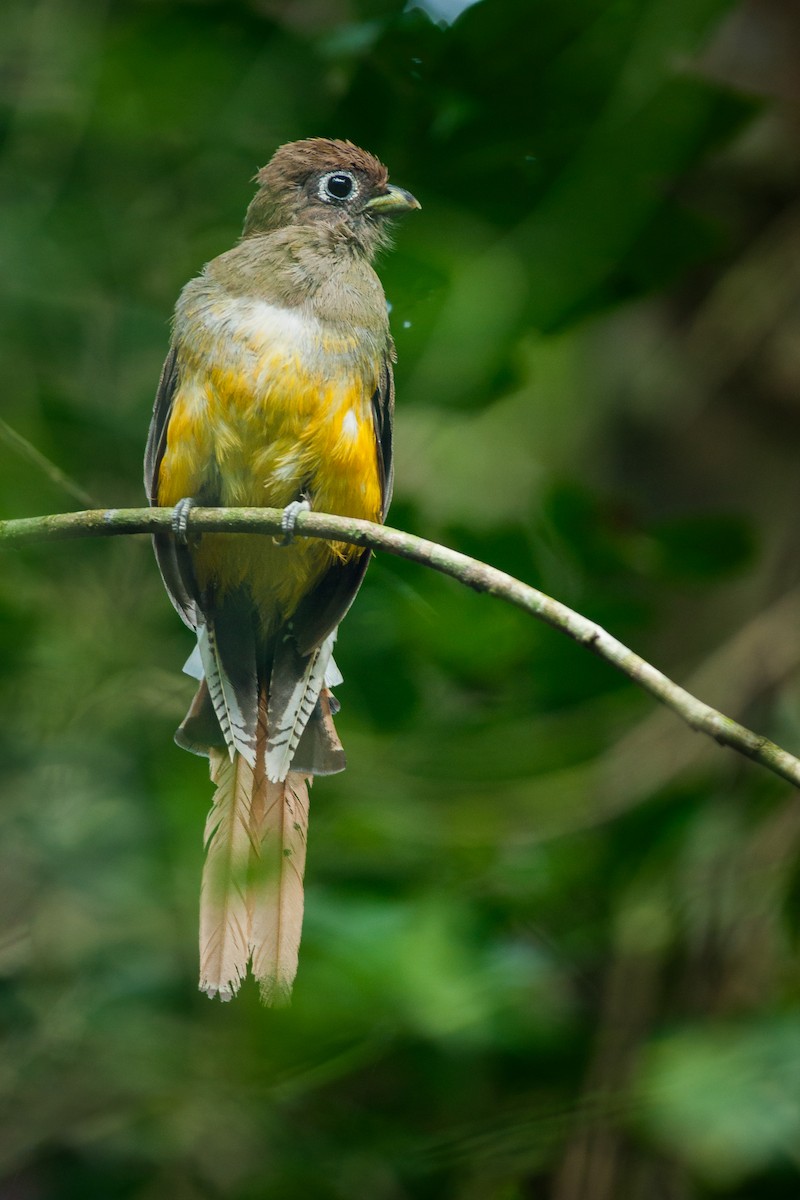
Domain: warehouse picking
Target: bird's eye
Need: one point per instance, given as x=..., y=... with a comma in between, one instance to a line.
x=337, y=185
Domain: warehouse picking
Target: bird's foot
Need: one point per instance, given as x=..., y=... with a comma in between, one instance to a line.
x=289, y=520
x=180, y=519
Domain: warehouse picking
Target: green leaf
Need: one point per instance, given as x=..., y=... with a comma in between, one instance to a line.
x=726, y=1100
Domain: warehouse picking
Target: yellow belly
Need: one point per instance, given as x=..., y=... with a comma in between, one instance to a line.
x=263, y=436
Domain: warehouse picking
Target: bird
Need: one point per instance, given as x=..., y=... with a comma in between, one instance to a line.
x=277, y=391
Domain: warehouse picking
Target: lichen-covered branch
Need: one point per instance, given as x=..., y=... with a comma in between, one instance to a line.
x=483, y=578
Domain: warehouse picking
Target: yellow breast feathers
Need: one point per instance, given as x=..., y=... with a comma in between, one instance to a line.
x=270, y=404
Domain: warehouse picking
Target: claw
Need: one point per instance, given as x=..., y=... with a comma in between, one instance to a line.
x=289, y=520
x=180, y=519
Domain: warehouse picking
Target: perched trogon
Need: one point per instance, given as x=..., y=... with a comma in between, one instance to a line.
x=277, y=391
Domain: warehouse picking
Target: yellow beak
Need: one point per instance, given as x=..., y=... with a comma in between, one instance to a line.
x=392, y=203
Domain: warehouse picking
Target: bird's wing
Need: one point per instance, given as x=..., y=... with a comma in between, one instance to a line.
x=173, y=559
x=383, y=420
x=157, y=435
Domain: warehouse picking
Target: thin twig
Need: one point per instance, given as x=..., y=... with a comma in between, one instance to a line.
x=28, y=451
x=700, y=716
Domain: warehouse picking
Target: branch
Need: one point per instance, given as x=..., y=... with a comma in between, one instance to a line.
x=477, y=575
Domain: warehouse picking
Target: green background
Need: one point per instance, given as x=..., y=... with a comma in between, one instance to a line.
x=551, y=936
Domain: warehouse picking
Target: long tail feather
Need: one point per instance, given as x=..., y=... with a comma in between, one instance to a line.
x=252, y=892
x=224, y=914
x=276, y=895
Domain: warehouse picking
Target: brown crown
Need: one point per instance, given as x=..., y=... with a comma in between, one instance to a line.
x=295, y=161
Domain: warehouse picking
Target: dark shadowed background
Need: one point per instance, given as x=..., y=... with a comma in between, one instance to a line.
x=551, y=946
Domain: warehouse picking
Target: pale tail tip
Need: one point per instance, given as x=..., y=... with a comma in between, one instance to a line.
x=213, y=992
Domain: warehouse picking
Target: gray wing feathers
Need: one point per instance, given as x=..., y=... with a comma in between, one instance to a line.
x=173, y=560
x=157, y=436
x=383, y=420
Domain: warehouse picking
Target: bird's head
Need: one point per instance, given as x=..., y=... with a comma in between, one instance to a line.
x=330, y=184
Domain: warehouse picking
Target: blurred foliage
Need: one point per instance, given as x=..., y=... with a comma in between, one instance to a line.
x=551, y=945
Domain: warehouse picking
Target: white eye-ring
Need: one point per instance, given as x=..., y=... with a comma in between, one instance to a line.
x=337, y=187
